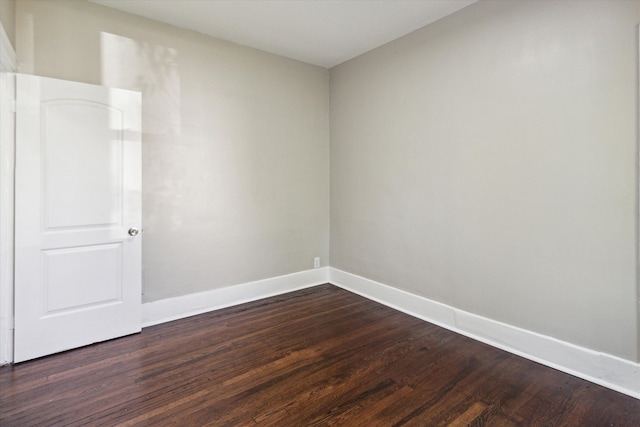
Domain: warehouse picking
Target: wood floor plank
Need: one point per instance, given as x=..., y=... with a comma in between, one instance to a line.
x=319, y=356
x=469, y=415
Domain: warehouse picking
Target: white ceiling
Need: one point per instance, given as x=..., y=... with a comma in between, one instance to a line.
x=320, y=32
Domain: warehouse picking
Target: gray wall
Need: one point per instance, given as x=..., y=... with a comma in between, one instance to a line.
x=488, y=161
x=8, y=19
x=235, y=143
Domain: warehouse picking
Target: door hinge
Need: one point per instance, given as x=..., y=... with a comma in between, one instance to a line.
x=12, y=105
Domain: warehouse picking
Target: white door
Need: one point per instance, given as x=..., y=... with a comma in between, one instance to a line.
x=78, y=212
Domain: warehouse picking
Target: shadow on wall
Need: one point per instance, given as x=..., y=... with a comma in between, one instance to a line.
x=150, y=69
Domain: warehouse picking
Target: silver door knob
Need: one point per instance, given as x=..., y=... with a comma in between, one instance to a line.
x=133, y=232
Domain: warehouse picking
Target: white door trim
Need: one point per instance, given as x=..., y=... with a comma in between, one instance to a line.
x=7, y=170
x=637, y=178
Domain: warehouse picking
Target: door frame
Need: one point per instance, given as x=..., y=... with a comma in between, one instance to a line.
x=7, y=191
x=637, y=194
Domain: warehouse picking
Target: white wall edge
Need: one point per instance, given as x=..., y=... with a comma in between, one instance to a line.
x=169, y=309
x=7, y=166
x=600, y=368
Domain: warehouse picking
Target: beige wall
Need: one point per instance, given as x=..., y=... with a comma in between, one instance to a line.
x=488, y=161
x=8, y=19
x=235, y=144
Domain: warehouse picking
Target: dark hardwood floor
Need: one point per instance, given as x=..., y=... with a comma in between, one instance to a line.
x=321, y=356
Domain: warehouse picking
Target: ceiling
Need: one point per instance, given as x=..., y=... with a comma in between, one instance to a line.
x=319, y=32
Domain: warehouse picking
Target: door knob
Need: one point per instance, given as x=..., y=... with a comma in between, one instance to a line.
x=133, y=232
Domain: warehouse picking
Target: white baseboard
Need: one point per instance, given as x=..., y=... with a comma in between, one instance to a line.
x=600, y=368
x=189, y=305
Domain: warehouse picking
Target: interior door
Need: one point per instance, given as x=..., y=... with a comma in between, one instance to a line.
x=78, y=215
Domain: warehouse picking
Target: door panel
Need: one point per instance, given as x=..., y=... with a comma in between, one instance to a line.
x=101, y=165
x=70, y=282
x=78, y=192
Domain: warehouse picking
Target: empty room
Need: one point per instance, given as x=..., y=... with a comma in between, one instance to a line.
x=319, y=212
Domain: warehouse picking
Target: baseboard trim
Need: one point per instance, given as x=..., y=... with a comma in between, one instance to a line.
x=600, y=368
x=180, y=307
